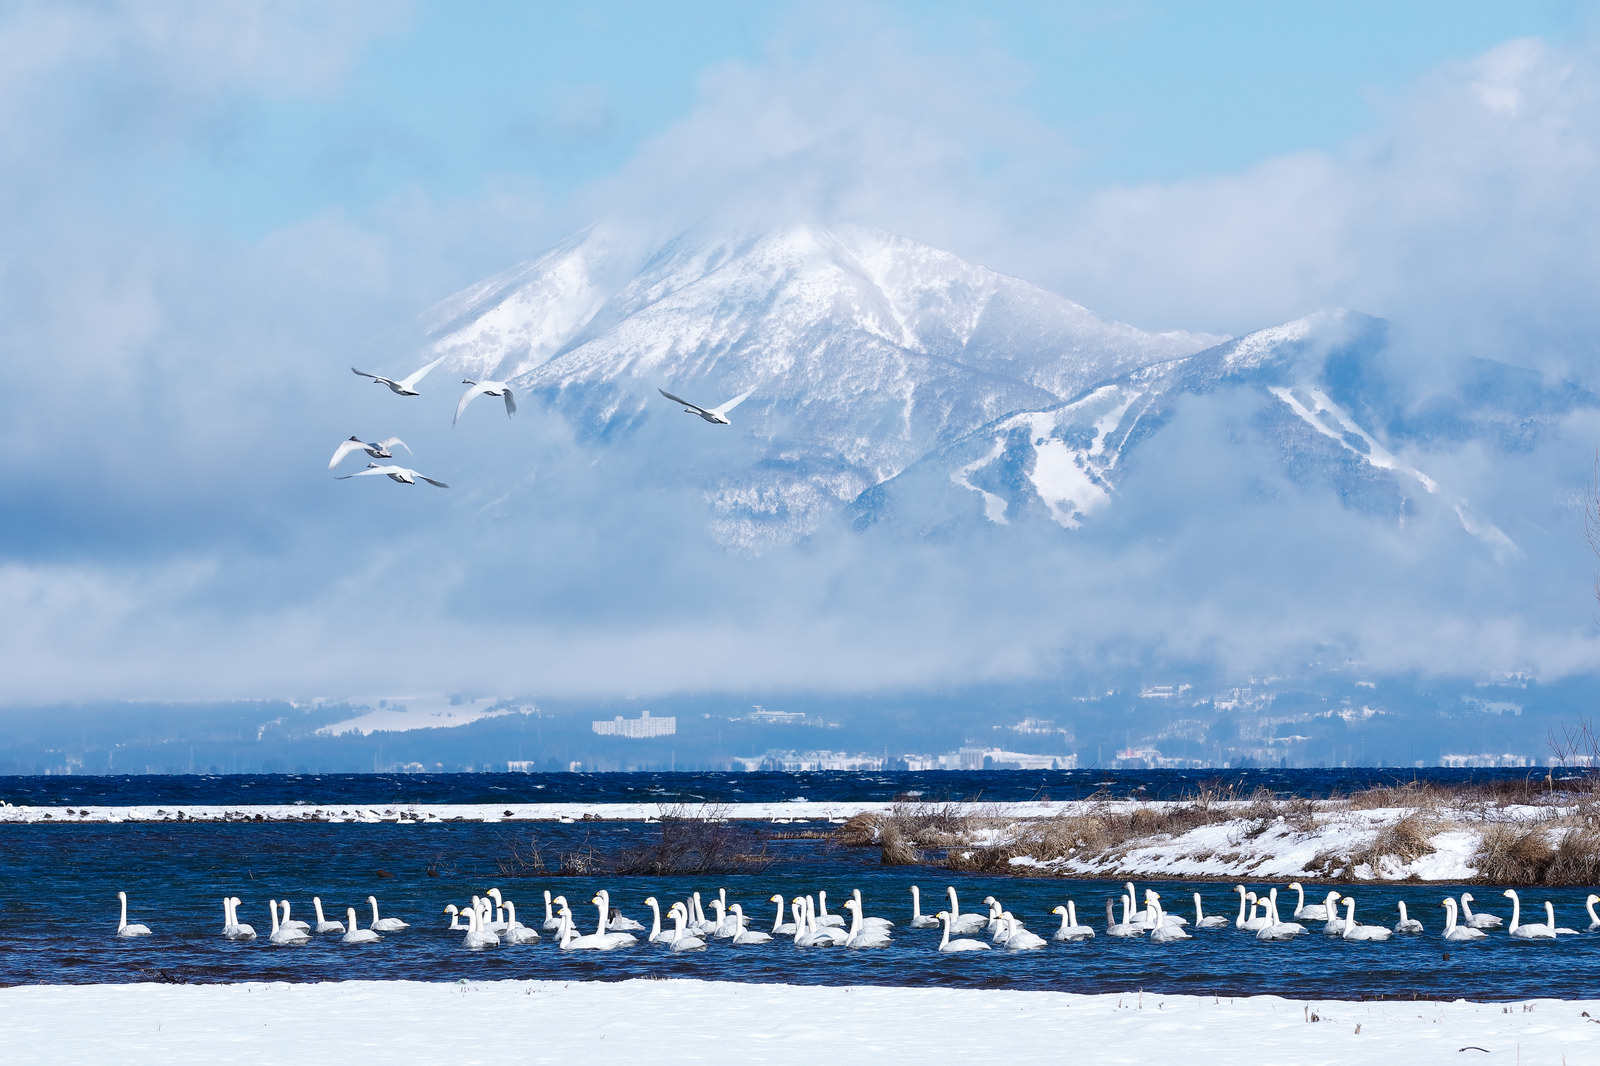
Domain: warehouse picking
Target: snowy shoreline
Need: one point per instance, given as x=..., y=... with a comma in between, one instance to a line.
x=407, y=1022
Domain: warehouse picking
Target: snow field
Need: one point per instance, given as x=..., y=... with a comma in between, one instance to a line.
x=403, y=1023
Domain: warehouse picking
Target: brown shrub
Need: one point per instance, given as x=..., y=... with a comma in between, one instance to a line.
x=865, y=828
x=1577, y=859
x=1408, y=840
x=1408, y=794
x=1512, y=854
x=897, y=850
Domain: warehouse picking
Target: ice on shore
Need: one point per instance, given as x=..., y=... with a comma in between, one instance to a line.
x=628, y=1022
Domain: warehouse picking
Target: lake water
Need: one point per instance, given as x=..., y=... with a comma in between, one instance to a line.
x=58, y=887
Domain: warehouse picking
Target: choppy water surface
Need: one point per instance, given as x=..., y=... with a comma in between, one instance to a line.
x=823, y=786
x=58, y=913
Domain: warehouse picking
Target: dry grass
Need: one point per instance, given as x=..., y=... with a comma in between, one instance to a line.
x=1513, y=854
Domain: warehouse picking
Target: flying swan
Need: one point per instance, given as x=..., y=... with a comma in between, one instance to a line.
x=485, y=388
x=376, y=449
x=406, y=386
x=404, y=475
x=717, y=416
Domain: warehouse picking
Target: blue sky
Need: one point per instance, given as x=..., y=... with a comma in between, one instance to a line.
x=208, y=212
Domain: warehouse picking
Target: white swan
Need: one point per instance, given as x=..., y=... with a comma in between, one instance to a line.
x=356, y=935
x=811, y=935
x=323, y=925
x=287, y=937
x=230, y=922
x=1114, y=928
x=715, y=415
x=863, y=936
x=952, y=946
x=1315, y=912
x=1163, y=931
x=485, y=388
x=1018, y=938
x=867, y=920
x=403, y=474
x=376, y=449
x=918, y=919
x=1452, y=931
x=1276, y=928
x=1352, y=931
x=293, y=923
x=497, y=919
x=779, y=926
x=406, y=386
x=1252, y=924
x=384, y=925
x=1203, y=920
x=1334, y=926
x=1526, y=932
x=1594, y=919
x=743, y=937
x=1550, y=918
x=123, y=928
x=551, y=922
x=478, y=935
x=697, y=917
x=1477, y=921
x=682, y=939
x=621, y=923
x=516, y=932
x=657, y=934
x=964, y=923
x=824, y=919
x=726, y=927
x=836, y=934
x=1406, y=924
x=602, y=900
x=456, y=914
x=1070, y=929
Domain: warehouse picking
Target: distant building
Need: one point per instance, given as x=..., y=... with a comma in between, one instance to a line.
x=642, y=726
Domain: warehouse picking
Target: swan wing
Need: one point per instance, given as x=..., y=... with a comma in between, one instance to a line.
x=388, y=445
x=679, y=399
x=731, y=404
x=410, y=382
x=471, y=394
x=435, y=484
x=344, y=449
x=511, y=402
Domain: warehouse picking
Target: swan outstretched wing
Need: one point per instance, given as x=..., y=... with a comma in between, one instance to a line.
x=374, y=377
x=388, y=445
x=410, y=382
x=344, y=449
x=429, y=480
x=372, y=468
x=478, y=389
x=680, y=399
x=511, y=403
x=731, y=404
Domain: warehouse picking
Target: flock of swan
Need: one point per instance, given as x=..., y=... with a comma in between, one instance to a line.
x=490, y=921
x=407, y=386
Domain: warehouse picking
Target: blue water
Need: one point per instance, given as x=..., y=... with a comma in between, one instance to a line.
x=58, y=905
x=822, y=786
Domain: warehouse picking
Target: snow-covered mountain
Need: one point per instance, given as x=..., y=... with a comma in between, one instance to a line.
x=898, y=383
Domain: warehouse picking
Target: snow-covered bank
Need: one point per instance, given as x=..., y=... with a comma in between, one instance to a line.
x=400, y=1023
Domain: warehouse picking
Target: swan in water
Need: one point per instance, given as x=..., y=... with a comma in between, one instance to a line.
x=406, y=386
x=867, y=921
x=717, y=416
x=697, y=917
x=682, y=939
x=824, y=919
x=1477, y=921
x=384, y=925
x=861, y=935
x=1018, y=938
x=621, y=923
x=1352, y=931
x=323, y=925
x=402, y=474
x=1070, y=929
x=833, y=934
x=1163, y=932
x=280, y=935
x=376, y=449
x=1114, y=928
x=951, y=946
x=516, y=932
x=123, y=928
x=1203, y=920
x=1550, y=918
x=356, y=935
x=485, y=388
x=602, y=900
x=779, y=926
x=1406, y=924
x=657, y=934
x=964, y=923
x=743, y=937
x=1526, y=932
x=808, y=934
x=1452, y=931
x=478, y=935
x=1148, y=917
x=1276, y=928
x=1315, y=912
x=918, y=919
x=1594, y=919
x=726, y=927
x=456, y=914
x=293, y=923
x=1334, y=926
x=230, y=922
x=551, y=922
x=497, y=919
x=1252, y=924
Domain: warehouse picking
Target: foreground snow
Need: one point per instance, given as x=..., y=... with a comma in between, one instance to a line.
x=700, y=1021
